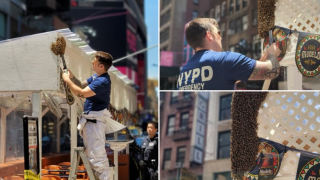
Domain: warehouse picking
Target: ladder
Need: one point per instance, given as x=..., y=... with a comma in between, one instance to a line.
x=75, y=163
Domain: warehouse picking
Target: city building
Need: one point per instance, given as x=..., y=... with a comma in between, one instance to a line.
x=21, y=18
x=153, y=95
x=183, y=134
x=238, y=23
x=174, y=14
x=217, y=163
x=116, y=27
x=24, y=17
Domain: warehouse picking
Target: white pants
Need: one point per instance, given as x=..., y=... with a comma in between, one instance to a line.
x=94, y=140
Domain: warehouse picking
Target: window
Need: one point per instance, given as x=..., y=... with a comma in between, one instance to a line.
x=222, y=29
x=195, y=1
x=2, y=26
x=231, y=7
x=186, y=95
x=165, y=17
x=256, y=46
x=223, y=8
x=206, y=13
x=184, y=120
x=244, y=3
x=166, y=159
x=232, y=27
x=170, y=128
x=162, y=95
x=237, y=5
x=244, y=22
x=222, y=176
x=217, y=15
x=225, y=107
x=181, y=153
x=164, y=35
x=194, y=14
x=255, y=17
x=14, y=138
x=238, y=25
x=224, y=145
x=174, y=97
x=165, y=3
x=212, y=13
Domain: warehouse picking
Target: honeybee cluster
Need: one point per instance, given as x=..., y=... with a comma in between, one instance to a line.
x=58, y=48
x=244, y=136
x=266, y=17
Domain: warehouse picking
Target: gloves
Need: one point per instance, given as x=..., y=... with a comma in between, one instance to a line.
x=155, y=175
x=142, y=163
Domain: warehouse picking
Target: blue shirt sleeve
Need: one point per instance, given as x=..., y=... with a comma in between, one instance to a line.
x=99, y=85
x=238, y=67
x=89, y=80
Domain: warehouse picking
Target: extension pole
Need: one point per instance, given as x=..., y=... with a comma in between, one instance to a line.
x=138, y=52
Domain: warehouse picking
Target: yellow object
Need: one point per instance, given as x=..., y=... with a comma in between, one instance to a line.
x=135, y=131
x=28, y=174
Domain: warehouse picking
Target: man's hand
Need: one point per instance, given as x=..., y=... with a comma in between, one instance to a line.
x=70, y=74
x=66, y=76
x=273, y=49
x=142, y=163
x=268, y=67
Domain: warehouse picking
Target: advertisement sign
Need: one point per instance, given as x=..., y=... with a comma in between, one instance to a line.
x=166, y=58
x=308, y=54
x=31, y=148
x=309, y=166
x=268, y=161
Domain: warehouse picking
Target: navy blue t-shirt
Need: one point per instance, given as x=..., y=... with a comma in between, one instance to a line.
x=211, y=70
x=101, y=86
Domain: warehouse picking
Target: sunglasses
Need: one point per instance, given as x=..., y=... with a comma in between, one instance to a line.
x=214, y=32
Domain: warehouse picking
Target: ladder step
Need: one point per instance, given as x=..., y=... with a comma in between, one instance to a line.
x=79, y=153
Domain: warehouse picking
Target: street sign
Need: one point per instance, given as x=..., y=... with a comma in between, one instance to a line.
x=31, y=148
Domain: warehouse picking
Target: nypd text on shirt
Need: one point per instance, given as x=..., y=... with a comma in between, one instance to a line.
x=193, y=74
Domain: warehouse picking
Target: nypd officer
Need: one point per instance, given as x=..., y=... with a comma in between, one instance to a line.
x=149, y=161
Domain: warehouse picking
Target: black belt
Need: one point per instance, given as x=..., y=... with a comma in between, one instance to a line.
x=92, y=120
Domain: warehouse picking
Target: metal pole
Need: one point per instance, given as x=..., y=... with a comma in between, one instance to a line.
x=73, y=133
x=37, y=112
x=3, y=126
x=178, y=174
x=138, y=52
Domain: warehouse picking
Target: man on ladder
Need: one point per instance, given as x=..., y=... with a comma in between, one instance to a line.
x=96, y=119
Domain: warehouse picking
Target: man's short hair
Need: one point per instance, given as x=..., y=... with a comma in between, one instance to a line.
x=197, y=29
x=154, y=124
x=104, y=58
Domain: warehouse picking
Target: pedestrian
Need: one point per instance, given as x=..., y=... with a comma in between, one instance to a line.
x=212, y=69
x=149, y=147
x=96, y=119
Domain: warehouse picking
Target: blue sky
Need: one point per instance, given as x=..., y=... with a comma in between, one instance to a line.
x=151, y=20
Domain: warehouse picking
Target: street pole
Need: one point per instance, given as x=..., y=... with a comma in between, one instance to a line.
x=138, y=52
x=178, y=173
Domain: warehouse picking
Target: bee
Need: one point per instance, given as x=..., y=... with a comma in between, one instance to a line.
x=244, y=138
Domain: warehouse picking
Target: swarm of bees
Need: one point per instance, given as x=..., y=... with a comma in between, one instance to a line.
x=59, y=47
x=244, y=136
x=266, y=17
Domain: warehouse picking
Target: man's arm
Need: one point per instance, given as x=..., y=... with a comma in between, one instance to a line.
x=80, y=84
x=268, y=67
x=77, y=82
x=80, y=92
